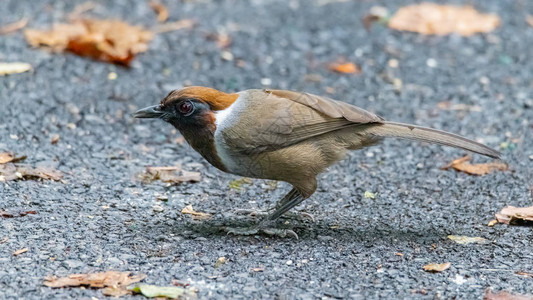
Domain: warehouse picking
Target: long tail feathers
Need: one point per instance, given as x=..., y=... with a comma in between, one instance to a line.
x=412, y=132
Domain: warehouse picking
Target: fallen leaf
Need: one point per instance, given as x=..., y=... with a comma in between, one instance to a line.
x=14, y=68
x=464, y=240
x=169, y=174
x=188, y=210
x=18, y=252
x=220, y=261
x=171, y=292
x=113, y=283
x=174, y=26
x=431, y=18
x=503, y=295
x=12, y=27
x=436, y=267
x=529, y=20
x=11, y=171
x=345, y=68
x=492, y=222
x=6, y=157
x=106, y=40
x=462, y=165
x=161, y=10
x=5, y=214
x=516, y=215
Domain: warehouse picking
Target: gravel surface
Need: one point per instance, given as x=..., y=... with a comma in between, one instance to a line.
x=102, y=218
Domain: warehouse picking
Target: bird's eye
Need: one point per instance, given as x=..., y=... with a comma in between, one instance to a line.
x=186, y=108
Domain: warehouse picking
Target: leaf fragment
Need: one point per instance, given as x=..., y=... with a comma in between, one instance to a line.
x=188, y=210
x=14, y=68
x=465, y=240
x=462, y=165
x=171, y=292
x=344, y=68
x=432, y=18
x=113, y=283
x=433, y=267
x=19, y=252
x=516, y=215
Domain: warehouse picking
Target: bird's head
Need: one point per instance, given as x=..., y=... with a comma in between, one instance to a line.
x=190, y=108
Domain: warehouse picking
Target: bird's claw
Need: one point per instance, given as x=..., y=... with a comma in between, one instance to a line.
x=252, y=213
x=282, y=233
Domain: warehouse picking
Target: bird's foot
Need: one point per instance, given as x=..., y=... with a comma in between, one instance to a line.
x=263, y=227
x=252, y=213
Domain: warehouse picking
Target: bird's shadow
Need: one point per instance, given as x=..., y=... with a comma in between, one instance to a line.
x=322, y=229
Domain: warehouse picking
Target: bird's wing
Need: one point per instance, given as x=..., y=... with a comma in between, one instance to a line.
x=278, y=119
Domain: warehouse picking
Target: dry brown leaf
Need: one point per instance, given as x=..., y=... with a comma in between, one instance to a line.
x=19, y=252
x=492, y=222
x=106, y=40
x=345, y=68
x=160, y=9
x=462, y=165
x=12, y=27
x=188, y=210
x=516, y=215
x=11, y=171
x=169, y=174
x=436, y=267
x=431, y=18
x=529, y=20
x=174, y=26
x=114, y=282
x=14, y=68
x=503, y=295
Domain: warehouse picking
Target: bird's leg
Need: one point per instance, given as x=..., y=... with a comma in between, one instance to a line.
x=293, y=198
x=281, y=203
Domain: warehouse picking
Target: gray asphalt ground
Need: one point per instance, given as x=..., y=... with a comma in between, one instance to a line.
x=101, y=218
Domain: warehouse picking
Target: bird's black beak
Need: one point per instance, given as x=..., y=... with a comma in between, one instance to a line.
x=149, y=112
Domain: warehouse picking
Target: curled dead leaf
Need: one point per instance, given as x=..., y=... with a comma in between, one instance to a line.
x=188, y=210
x=462, y=165
x=106, y=40
x=516, y=215
x=432, y=18
x=345, y=68
x=436, y=267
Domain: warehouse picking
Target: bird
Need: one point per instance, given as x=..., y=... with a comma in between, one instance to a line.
x=282, y=135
